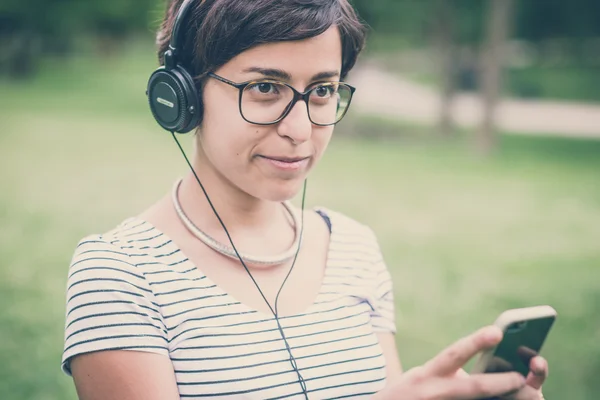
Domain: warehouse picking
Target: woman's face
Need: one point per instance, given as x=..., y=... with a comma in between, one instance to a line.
x=268, y=162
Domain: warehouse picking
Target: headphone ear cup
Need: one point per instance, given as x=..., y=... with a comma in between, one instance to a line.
x=174, y=100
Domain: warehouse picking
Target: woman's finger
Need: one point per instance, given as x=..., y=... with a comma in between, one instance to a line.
x=456, y=355
x=538, y=372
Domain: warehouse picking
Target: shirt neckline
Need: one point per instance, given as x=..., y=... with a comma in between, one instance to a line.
x=232, y=299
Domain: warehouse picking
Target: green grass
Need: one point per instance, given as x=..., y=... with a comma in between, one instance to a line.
x=465, y=237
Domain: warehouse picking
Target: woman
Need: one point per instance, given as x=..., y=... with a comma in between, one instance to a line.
x=222, y=288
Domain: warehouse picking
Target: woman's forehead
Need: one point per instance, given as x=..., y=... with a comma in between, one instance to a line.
x=304, y=59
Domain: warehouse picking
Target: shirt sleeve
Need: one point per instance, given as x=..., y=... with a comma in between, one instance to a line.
x=109, y=304
x=381, y=296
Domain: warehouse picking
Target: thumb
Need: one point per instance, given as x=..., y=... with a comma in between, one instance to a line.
x=456, y=355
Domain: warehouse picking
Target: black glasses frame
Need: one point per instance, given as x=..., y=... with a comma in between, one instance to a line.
x=297, y=97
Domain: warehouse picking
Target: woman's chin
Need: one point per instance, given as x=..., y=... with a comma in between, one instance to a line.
x=279, y=192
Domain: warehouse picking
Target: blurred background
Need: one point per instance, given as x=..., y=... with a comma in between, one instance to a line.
x=472, y=149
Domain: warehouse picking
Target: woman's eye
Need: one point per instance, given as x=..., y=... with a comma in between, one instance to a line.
x=324, y=91
x=264, y=88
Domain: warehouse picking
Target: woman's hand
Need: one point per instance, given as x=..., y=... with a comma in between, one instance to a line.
x=442, y=377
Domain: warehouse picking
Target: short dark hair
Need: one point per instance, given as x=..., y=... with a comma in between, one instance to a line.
x=215, y=31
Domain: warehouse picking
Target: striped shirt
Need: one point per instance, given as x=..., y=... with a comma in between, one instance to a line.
x=133, y=289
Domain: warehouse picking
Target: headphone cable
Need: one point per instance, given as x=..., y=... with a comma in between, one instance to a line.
x=275, y=313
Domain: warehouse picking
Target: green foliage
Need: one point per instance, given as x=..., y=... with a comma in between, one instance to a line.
x=32, y=29
x=407, y=17
x=414, y=18
x=537, y=20
x=122, y=17
x=534, y=20
x=65, y=16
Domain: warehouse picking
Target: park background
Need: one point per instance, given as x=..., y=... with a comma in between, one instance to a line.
x=472, y=149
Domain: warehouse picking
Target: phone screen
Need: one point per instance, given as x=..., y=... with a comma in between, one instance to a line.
x=522, y=341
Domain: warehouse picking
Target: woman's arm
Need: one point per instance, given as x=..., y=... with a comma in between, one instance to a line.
x=124, y=375
x=116, y=341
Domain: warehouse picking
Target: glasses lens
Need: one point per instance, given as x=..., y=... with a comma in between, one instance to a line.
x=265, y=101
x=328, y=103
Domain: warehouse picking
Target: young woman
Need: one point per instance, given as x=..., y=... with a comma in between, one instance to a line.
x=222, y=289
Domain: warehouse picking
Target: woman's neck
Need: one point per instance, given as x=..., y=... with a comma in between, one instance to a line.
x=239, y=211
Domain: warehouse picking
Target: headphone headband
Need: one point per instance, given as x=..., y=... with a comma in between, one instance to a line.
x=181, y=14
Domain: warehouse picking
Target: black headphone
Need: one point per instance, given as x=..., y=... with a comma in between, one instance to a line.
x=174, y=101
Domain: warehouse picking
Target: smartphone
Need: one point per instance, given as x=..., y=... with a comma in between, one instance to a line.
x=525, y=330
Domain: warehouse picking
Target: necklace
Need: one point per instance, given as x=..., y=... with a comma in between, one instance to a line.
x=228, y=250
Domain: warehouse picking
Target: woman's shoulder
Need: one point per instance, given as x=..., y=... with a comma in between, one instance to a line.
x=124, y=232
x=350, y=236
x=110, y=300
x=123, y=242
x=342, y=223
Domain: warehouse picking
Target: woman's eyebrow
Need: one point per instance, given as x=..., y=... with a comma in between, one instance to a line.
x=325, y=75
x=271, y=73
x=286, y=76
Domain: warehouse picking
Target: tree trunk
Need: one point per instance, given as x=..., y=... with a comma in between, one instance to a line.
x=444, y=10
x=498, y=23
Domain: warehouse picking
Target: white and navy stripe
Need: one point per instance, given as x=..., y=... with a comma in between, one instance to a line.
x=133, y=289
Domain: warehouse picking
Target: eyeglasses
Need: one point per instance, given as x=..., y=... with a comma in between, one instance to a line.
x=267, y=101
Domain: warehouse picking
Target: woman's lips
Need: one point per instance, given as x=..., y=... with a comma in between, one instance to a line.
x=287, y=163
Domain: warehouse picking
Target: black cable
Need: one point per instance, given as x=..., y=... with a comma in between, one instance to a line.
x=301, y=380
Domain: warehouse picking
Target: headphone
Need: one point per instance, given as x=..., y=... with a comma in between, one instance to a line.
x=174, y=101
